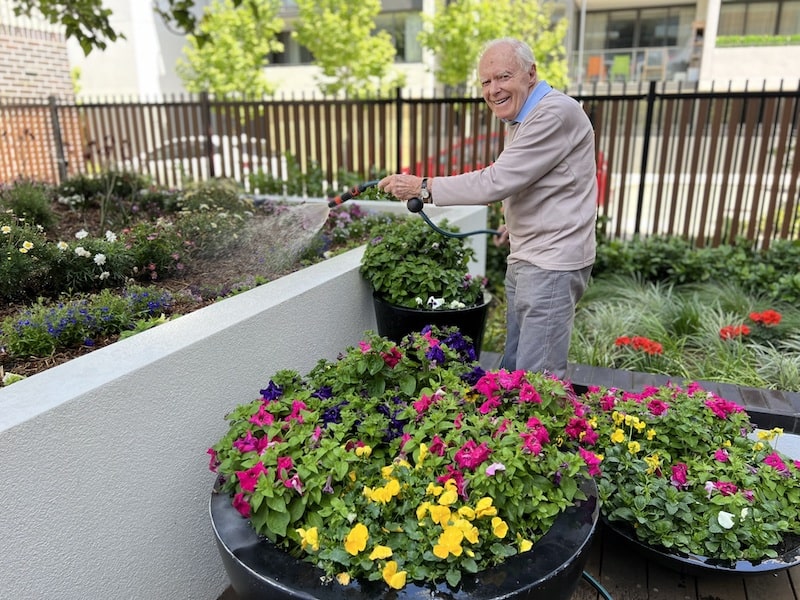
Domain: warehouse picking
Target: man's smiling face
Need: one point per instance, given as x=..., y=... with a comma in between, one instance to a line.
x=506, y=84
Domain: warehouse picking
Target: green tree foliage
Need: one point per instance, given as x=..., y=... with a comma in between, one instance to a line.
x=353, y=57
x=243, y=39
x=459, y=29
x=85, y=20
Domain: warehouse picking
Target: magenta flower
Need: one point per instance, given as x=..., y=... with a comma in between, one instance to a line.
x=489, y=405
x=249, y=478
x=721, y=455
x=213, y=463
x=294, y=483
x=722, y=408
x=592, y=461
x=251, y=443
x=679, y=475
x=364, y=347
x=471, y=455
x=438, y=446
x=241, y=504
x=528, y=393
x=657, y=407
x=726, y=488
x=262, y=417
x=295, y=415
x=774, y=460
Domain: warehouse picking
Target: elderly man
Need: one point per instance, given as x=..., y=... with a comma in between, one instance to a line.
x=546, y=179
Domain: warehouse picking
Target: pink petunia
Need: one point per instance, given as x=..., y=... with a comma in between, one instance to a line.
x=249, y=477
x=471, y=455
x=679, y=477
x=592, y=461
x=721, y=455
x=776, y=462
x=241, y=504
x=657, y=407
x=262, y=417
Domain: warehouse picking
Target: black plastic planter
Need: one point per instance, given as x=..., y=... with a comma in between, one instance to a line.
x=551, y=570
x=395, y=322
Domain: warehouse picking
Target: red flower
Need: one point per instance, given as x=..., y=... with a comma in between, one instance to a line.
x=732, y=331
x=767, y=318
x=642, y=343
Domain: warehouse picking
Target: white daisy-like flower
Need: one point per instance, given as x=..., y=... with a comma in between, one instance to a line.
x=99, y=259
x=104, y=275
x=111, y=236
x=82, y=252
x=5, y=229
x=81, y=234
x=62, y=246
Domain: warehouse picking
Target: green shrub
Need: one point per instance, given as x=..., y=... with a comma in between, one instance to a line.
x=30, y=201
x=26, y=258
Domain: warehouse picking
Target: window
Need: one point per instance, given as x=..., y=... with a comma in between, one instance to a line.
x=403, y=27
x=293, y=53
x=759, y=17
x=640, y=28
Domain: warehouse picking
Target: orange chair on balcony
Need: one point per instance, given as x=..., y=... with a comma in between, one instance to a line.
x=595, y=69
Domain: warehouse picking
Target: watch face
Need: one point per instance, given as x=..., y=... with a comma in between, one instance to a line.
x=424, y=194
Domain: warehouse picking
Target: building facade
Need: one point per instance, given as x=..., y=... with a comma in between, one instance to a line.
x=608, y=41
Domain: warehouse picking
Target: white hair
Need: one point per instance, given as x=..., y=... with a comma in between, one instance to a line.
x=522, y=51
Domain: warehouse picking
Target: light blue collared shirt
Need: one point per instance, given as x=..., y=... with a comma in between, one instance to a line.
x=538, y=92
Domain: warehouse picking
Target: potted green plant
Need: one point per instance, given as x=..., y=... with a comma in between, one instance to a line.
x=405, y=466
x=687, y=475
x=419, y=276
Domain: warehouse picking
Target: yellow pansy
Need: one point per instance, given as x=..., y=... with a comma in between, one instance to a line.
x=433, y=489
x=448, y=498
x=423, y=452
x=422, y=510
x=394, y=579
x=356, y=540
x=523, y=544
x=440, y=514
x=380, y=552
x=309, y=537
x=449, y=543
x=639, y=425
x=386, y=472
x=363, y=451
x=653, y=463
x=634, y=447
x=499, y=527
x=651, y=434
x=618, y=436
x=618, y=418
x=467, y=513
x=470, y=532
x=343, y=578
x=484, y=508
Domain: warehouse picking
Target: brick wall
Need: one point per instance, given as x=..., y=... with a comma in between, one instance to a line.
x=34, y=65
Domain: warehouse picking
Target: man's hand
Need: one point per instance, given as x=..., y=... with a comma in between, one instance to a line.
x=502, y=238
x=401, y=186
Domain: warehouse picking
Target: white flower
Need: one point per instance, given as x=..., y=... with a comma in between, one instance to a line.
x=5, y=229
x=111, y=236
x=82, y=252
x=418, y=300
x=725, y=519
x=99, y=259
x=435, y=303
x=81, y=234
x=104, y=275
x=62, y=246
x=456, y=304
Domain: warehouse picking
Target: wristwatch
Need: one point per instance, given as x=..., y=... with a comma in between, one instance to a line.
x=424, y=193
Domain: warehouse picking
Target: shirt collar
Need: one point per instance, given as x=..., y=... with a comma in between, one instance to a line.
x=539, y=91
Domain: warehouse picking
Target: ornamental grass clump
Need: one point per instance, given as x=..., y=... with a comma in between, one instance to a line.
x=405, y=462
x=687, y=471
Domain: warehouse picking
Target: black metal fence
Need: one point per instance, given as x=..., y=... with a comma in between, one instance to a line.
x=711, y=166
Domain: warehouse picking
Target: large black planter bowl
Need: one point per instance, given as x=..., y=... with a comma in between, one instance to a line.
x=696, y=565
x=551, y=570
x=395, y=322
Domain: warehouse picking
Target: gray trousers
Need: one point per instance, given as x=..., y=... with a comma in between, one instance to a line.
x=539, y=318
